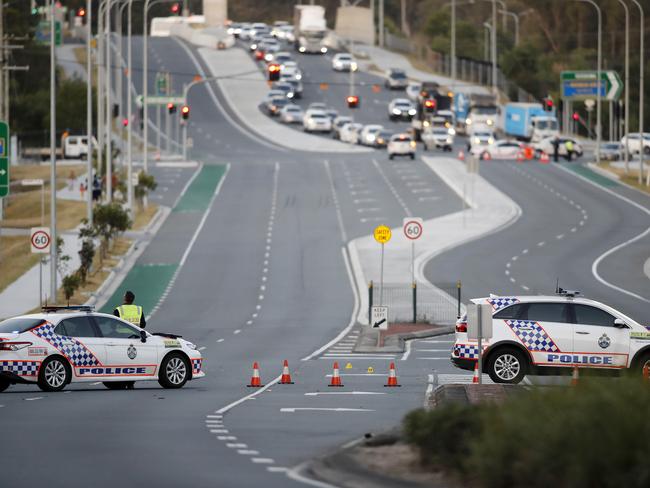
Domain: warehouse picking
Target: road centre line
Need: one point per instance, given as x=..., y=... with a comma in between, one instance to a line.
x=392, y=188
x=335, y=198
x=263, y=460
x=323, y=409
x=407, y=351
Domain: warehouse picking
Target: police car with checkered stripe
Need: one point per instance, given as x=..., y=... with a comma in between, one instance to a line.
x=65, y=345
x=534, y=334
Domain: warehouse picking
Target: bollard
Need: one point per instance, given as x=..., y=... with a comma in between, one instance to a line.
x=415, y=302
x=458, y=285
x=370, y=293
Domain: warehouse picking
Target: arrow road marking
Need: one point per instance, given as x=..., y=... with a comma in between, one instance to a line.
x=295, y=409
x=344, y=393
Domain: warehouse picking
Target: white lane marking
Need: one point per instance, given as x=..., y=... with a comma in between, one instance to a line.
x=422, y=190
x=392, y=188
x=33, y=398
x=372, y=219
x=296, y=475
x=429, y=390
x=226, y=438
x=541, y=243
x=236, y=331
x=323, y=409
x=248, y=397
x=407, y=351
x=525, y=287
x=219, y=431
x=263, y=460
x=525, y=251
x=249, y=322
x=220, y=340
x=559, y=236
x=355, y=309
x=248, y=452
x=217, y=416
x=573, y=229
x=370, y=209
x=277, y=469
x=316, y=393
x=512, y=280
x=335, y=199
x=236, y=445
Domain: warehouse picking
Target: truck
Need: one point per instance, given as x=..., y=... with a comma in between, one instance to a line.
x=475, y=109
x=73, y=147
x=310, y=28
x=529, y=121
x=432, y=106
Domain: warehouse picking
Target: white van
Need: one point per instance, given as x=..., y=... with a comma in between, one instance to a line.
x=76, y=147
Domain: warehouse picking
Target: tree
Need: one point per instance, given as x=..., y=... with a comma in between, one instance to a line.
x=87, y=252
x=146, y=183
x=70, y=284
x=62, y=260
x=109, y=221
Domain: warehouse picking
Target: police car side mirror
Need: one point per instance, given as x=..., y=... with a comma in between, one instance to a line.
x=620, y=324
x=143, y=336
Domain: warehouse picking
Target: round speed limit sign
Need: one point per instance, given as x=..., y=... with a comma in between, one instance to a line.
x=413, y=228
x=40, y=239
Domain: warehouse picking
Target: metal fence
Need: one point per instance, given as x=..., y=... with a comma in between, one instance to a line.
x=407, y=302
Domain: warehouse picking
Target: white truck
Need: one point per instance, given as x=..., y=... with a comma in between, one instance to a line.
x=310, y=28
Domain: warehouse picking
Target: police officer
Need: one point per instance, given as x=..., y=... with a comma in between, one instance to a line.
x=130, y=312
x=569, y=149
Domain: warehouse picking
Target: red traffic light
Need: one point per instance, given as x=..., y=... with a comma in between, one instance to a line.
x=175, y=8
x=125, y=122
x=429, y=104
x=274, y=72
x=81, y=12
x=576, y=116
x=185, y=112
x=171, y=108
x=548, y=104
x=353, y=101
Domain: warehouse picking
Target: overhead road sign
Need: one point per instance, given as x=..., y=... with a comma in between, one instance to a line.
x=164, y=100
x=580, y=85
x=4, y=159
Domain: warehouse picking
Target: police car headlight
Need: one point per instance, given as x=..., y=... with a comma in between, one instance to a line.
x=253, y=47
x=491, y=140
x=477, y=140
x=489, y=122
x=468, y=121
x=449, y=140
x=426, y=123
x=452, y=131
x=397, y=111
x=302, y=49
x=412, y=111
x=191, y=345
x=298, y=77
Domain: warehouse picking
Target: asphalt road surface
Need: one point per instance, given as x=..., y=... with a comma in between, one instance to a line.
x=260, y=274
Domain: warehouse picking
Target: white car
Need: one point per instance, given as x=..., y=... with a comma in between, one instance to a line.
x=338, y=123
x=343, y=62
x=503, y=150
x=316, y=121
x=281, y=58
x=401, y=109
x=413, y=91
x=291, y=114
x=396, y=79
x=479, y=140
x=350, y=132
x=401, y=145
x=437, y=137
x=535, y=334
x=273, y=94
x=634, y=144
x=546, y=145
x=65, y=345
x=368, y=135
x=317, y=106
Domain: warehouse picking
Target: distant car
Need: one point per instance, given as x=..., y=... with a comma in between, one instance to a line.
x=271, y=94
x=245, y=31
x=503, y=150
x=383, y=138
x=546, y=145
x=295, y=84
x=413, y=91
x=291, y=69
x=612, y=151
x=282, y=57
x=286, y=33
x=332, y=114
x=396, y=79
x=234, y=29
x=437, y=138
x=339, y=122
x=401, y=145
x=316, y=121
x=317, y=106
x=285, y=87
x=479, y=140
x=255, y=43
x=276, y=104
x=634, y=144
x=291, y=114
x=343, y=62
x=350, y=132
x=368, y=135
x=401, y=109
x=269, y=49
x=276, y=30
x=260, y=28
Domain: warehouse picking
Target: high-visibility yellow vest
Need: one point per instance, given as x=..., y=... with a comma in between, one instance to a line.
x=130, y=313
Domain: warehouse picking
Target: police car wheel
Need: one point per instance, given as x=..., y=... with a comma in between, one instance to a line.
x=643, y=362
x=507, y=366
x=174, y=371
x=4, y=384
x=118, y=385
x=54, y=374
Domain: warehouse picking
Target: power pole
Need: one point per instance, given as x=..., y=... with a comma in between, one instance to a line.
x=53, y=235
x=4, y=102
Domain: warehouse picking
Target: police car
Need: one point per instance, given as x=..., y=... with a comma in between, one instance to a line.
x=533, y=334
x=65, y=345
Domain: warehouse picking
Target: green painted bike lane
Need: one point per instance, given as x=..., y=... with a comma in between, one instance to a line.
x=591, y=175
x=149, y=281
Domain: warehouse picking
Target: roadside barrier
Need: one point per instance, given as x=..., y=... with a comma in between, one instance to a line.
x=575, y=377
x=392, y=377
x=256, y=381
x=286, y=376
x=336, y=379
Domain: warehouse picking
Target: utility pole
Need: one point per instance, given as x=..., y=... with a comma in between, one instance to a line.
x=641, y=89
x=109, y=108
x=53, y=235
x=453, y=47
x=627, y=83
x=495, y=85
x=381, y=23
x=129, y=111
x=89, y=110
x=5, y=101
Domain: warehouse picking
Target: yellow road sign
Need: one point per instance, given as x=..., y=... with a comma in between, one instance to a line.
x=382, y=234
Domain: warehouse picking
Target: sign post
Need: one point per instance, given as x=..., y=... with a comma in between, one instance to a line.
x=4, y=159
x=412, y=228
x=479, y=326
x=382, y=235
x=40, y=239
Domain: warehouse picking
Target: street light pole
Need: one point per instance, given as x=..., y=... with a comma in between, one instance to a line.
x=453, y=46
x=129, y=111
x=494, y=48
x=627, y=84
x=641, y=88
x=145, y=81
x=516, y=19
x=89, y=111
x=53, y=235
x=109, y=107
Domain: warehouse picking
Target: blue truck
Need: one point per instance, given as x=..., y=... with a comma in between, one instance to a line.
x=529, y=121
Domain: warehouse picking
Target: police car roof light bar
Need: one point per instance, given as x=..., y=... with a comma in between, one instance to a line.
x=567, y=293
x=79, y=308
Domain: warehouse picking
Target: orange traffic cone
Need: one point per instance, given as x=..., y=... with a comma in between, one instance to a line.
x=392, y=377
x=646, y=372
x=486, y=156
x=543, y=158
x=461, y=155
x=520, y=156
x=476, y=374
x=256, y=381
x=336, y=379
x=286, y=376
x=575, y=376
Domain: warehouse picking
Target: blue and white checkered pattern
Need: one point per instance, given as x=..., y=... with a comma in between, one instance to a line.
x=196, y=366
x=500, y=302
x=466, y=351
x=74, y=350
x=21, y=368
x=532, y=335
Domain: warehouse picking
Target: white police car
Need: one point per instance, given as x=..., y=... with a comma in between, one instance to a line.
x=532, y=334
x=65, y=345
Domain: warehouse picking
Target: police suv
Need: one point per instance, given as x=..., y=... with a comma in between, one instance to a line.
x=65, y=345
x=532, y=334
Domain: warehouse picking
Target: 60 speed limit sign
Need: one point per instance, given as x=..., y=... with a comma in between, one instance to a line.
x=40, y=239
x=413, y=228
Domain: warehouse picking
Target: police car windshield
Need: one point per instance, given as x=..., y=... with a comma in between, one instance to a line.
x=18, y=325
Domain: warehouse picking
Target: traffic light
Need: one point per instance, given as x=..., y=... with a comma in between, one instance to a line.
x=548, y=104
x=274, y=72
x=185, y=112
x=175, y=8
x=353, y=101
x=171, y=108
x=125, y=122
x=576, y=116
x=81, y=12
x=429, y=105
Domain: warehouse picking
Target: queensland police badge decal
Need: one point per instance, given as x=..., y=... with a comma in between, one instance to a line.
x=132, y=352
x=604, y=341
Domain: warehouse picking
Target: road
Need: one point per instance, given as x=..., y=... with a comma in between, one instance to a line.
x=251, y=266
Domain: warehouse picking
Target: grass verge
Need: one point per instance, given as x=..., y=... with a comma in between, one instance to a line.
x=631, y=178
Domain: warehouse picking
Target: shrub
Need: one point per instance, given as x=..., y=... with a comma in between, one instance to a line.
x=70, y=284
x=109, y=221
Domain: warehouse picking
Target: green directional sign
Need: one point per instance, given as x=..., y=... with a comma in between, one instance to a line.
x=4, y=159
x=581, y=85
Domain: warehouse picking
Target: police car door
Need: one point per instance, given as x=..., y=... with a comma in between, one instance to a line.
x=78, y=339
x=546, y=329
x=127, y=355
x=598, y=342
